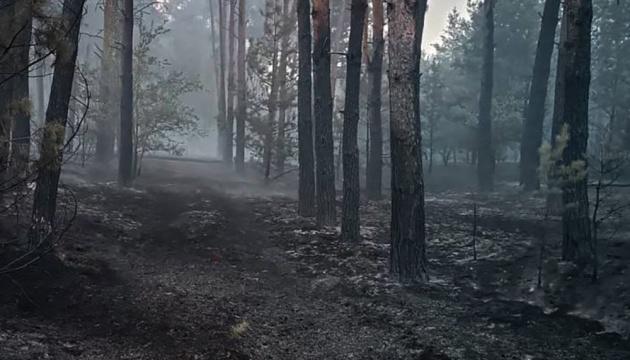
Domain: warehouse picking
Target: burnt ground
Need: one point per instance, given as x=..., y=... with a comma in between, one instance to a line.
x=193, y=263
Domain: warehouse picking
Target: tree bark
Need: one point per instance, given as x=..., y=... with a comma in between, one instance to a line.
x=535, y=112
x=283, y=101
x=486, y=164
x=51, y=152
x=554, y=198
x=21, y=136
x=324, y=146
x=375, y=68
x=576, y=245
x=241, y=112
x=125, y=148
x=408, y=255
x=222, y=116
x=228, y=151
x=306, y=191
x=6, y=85
x=350, y=226
x=109, y=82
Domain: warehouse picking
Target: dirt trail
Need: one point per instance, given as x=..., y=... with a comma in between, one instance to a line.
x=196, y=264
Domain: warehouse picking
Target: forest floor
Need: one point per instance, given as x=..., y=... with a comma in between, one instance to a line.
x=194, y=263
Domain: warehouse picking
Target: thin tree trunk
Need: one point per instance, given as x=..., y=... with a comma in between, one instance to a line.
x=554, y=199
x=486, y=164
x=306, y=192
x=283, y=101
x=222, y=117
x=109, y=82
x=21, y=101
x=324, y=146
x=125, y=151
x=350, y=225
x=375, y=69
x=576, y=245
x=271, y=29
x=535, y=112
x=228, y=151
x=408, y=255
x=241, y=112
x=51, y=152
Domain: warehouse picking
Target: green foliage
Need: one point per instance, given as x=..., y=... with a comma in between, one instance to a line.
x=161, y=116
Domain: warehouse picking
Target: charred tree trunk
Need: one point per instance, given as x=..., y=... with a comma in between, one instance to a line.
x=535, y=112
x=228, y=151
x=6, y=85
x=306, y=192
x=324, y=146
x=554, y=199
x=51, y=152
x=109, y=82
x=222, y=116
x=241, y=103
x=576, y=245
x=375, y=68
x=485, y=165
x=351, y=187
x=125, y=148
x=21, y=136
x=408, y=256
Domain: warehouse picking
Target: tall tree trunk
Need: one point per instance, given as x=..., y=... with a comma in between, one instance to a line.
x=535, y=112
x=21, y=138
x=109, y=82
x=408, y=255
x=222, y=116
x=306, y=191
x=375, y=69
x=288, y=20
x=228, y=151
x=554, y=198
x=271, y=29
x=576, y=245
x=324, y=146
x=51, y=152
x=125, y=151
x=6, y=85
x=485, y=166
x=241, y=112
x=350, y=225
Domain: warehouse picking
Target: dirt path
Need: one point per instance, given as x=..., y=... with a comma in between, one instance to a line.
x=196, y=264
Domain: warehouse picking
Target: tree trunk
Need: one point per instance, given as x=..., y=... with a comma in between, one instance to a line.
x=228, y=151
x=109, y=82
x=21, y=136
x=485, y=166
x=351, y=187
x=241, y=112
x=408, y=256
x=306, y=192
x=272, y=101
x=375, y=69
x=125, y=148
x=6, y=86
x=535, y=112
x=554, y=199
x=222, y=116
x=51, y=152
x=324, y=146
x=576, y=245
x=283, y=101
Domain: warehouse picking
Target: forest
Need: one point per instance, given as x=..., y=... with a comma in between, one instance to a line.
x=315, y=179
